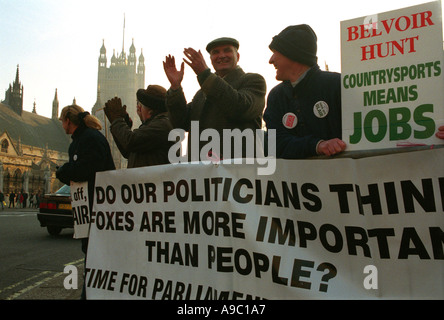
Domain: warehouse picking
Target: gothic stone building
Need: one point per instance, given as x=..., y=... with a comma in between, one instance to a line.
x=31, y=146
x=121, y=79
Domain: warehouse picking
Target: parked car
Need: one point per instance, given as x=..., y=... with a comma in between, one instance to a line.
x=55, y=211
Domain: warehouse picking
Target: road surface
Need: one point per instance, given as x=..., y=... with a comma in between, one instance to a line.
x=32, y=263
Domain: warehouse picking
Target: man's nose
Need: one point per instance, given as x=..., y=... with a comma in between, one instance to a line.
x=222, y=54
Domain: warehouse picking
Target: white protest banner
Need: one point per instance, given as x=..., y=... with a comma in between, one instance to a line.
x=392, y=78
x=80, y=208
x=316, y=229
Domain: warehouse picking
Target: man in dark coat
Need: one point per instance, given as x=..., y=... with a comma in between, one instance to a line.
x=11, y=199
x=305, y=109
x=148, y=145
x=229, y=98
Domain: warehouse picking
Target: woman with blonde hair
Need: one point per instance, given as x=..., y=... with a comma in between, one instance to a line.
x=89, y=152
x=75, y=114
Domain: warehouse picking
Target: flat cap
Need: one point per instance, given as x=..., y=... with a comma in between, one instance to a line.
x=222, y=41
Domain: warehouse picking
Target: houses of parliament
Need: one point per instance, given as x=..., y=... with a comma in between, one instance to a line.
x=33, y=146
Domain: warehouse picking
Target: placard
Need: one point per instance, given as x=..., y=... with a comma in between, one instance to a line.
x=392, y=78
x=370, y=228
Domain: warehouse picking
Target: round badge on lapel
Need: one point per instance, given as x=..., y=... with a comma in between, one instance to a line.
x=320, y=109
x=289, y=120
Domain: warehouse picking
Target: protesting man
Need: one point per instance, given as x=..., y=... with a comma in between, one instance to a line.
x=305, y=109
x=228, y=98
x=148, y=145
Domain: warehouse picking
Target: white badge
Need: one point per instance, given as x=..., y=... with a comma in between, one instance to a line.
x=75, y=157
x=321, y=109
x=289, y=120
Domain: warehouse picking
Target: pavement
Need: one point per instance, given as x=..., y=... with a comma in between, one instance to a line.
x=16, y=210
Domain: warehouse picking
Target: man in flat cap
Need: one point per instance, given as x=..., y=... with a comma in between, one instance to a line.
x=305, y=109
x=148, y=145
x=229, y=98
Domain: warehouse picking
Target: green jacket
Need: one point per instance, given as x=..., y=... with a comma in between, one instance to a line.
x=236, y=101
x=146, y=146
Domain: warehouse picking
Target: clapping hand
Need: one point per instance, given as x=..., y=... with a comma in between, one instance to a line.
x=114, y=110
x=174, y=76
x=195, y=60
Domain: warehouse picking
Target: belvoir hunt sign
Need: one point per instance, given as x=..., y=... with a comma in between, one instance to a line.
x=392, y=78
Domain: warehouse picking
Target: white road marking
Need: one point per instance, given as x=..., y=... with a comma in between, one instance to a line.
x=38, y=283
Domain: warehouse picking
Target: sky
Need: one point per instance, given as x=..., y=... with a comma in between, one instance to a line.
x=57, y=43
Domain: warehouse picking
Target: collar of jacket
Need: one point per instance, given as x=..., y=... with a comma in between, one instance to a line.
x=147, y=121
x=78, y=132
x=302, y=87
x=233, y=74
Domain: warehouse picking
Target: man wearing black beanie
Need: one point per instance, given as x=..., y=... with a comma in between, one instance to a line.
x=305, y=109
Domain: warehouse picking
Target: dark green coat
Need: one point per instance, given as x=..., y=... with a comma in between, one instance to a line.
x=146, y=146
x=233, y=102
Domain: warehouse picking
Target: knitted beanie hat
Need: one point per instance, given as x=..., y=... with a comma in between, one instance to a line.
x=153, y=97
x=298, y=43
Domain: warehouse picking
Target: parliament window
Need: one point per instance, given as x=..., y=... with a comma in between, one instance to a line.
x=5, y=145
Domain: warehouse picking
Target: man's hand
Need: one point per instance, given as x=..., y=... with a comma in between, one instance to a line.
x=174, y=76
x=114, y=110
x=440, y=133
x=195, y=60
x=331, y=147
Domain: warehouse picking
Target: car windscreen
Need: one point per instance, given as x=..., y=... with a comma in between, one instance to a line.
x=66, y=190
